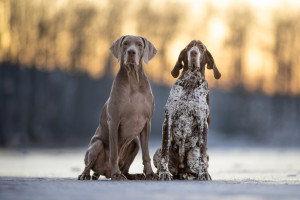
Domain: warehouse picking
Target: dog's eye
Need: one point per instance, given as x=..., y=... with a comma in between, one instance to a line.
x=126, y=43
x=140, y=44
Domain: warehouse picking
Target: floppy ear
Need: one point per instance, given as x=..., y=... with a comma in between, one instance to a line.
x=211, y=64
x=115, y=48
x=149, y=51
x=178, y=66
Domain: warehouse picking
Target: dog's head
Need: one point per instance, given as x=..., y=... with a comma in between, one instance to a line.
x=194, y=57
x=131, y=49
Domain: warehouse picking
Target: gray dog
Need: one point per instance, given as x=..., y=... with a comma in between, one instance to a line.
x=183, y=153
x=125, y=116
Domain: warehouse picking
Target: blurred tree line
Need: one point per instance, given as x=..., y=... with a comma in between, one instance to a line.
x=56, y=69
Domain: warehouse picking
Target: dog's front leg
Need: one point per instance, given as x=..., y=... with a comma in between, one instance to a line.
x=203, y=165
x=144, y=139
x=113, y=150
x=164, y=173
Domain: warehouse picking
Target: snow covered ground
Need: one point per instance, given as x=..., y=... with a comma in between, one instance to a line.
x=240, y=172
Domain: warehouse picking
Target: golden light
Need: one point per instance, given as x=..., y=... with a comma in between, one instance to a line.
x=76, y=36
x=253, y=70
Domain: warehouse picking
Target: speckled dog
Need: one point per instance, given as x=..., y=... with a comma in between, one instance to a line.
x=184, y=132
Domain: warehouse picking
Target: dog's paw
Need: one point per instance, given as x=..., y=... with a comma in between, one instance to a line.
x=152, y=177
x=84, y=177
x=135, y=176
x=118, y=177
x=140, y=177
x=165, y=176
x=95, y=176
x=204, y=176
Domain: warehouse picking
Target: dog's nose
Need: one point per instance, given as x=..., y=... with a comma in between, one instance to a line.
x=193, y=53
x=131, y=52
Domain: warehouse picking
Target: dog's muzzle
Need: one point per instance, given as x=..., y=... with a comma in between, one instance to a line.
x=194, y=57
x=131, y=56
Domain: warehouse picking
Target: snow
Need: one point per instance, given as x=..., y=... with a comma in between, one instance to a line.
x=237, y=172
x=45, y=188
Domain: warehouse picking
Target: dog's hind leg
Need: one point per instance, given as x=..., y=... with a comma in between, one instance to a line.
x=164, y=173
x=95, y=176
x=126, y=158
x=172, y=164
x=91, y=155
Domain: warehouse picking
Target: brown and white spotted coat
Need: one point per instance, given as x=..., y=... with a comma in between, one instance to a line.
x=183, y=153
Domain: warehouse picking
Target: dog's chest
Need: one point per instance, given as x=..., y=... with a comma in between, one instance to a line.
x=187, y=108
x=138, y=104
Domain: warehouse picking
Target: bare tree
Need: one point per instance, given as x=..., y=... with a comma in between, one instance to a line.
x=162, y=25
x=239, y=18
x=286, y=34
x=113, y=28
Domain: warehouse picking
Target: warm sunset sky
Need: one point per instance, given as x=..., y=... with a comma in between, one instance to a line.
x=255, y=44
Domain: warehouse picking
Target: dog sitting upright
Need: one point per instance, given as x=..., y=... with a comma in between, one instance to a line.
x=184, y=132
x=125, y=116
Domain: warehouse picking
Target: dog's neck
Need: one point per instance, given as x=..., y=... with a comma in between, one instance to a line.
x=132, y=74
x=194, y=73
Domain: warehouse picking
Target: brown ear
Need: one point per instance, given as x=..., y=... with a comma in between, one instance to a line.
x=149, y=51
x=211, y=64
x=179, y=65
x=115, y=48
